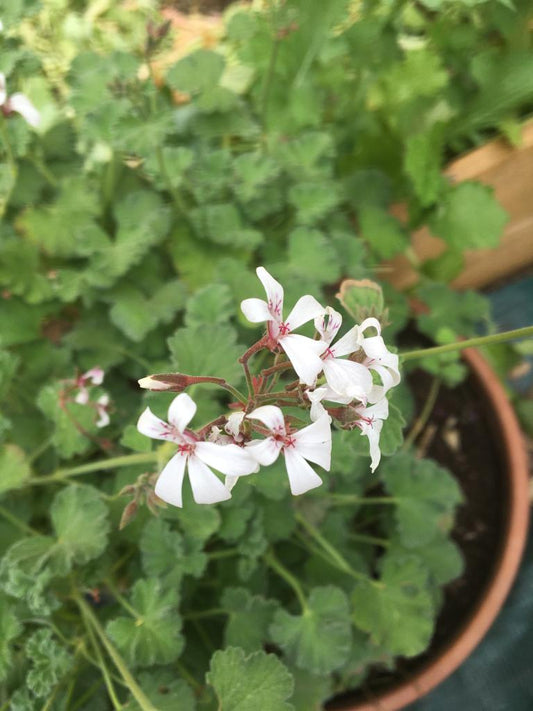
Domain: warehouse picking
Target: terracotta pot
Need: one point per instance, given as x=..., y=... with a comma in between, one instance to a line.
x=514, y=459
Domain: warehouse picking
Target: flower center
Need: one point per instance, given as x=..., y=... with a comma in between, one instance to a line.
x=289, y=441
x=284, y=329
x=328, y=353
x=186, y=449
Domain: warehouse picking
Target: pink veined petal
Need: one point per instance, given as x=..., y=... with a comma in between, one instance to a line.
x=314, y=442
x=373, y=431
x=229, y=459
x=206, y=486
x=328, y=324
x=22, y=105
x=348, y=378
x=264, y=451
x=378, y=411
x=349, y=343
x=271, y=416
x=170, y=482
x=151, y=426
x=302, y=476
x=370, y=322
x=3, y=92
x=305, y=309
x=95, y=375
x=274, y=292
x=256, y=310
x=181, y=411
x=304, y=354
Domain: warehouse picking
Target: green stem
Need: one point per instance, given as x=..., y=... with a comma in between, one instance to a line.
x=5, y=139
x=273, y=562
x=224, y=553
x=373, y=540
x=469, y=343
x=424, y=416
x=186, y=674
x=349, y=499
x=341, y=562
x=102, y=665
x=136, y=691
x=213, y=612
x=15, y=521
x=122, y=601
x=113, y=463
x=268, y=79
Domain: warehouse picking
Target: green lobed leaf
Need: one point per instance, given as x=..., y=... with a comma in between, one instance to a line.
x=397, y=610
x=80, y=520
x=165, y=691
x=313, y=200
x=50, y=662
x=14, y=468
x=319, y=639
x=249, y=619
x=426, y=497
x=311, y=251
x=196, y=72
x=154, y=636
x=422, y=163
x=209, y=305
x=247, y=683
x=10, y=628
x=382, y=231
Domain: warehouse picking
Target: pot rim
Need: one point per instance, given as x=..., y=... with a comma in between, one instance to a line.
x=512, y=547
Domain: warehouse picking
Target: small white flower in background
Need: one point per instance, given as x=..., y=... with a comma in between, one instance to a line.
x=311, y=443
x=303, y=352
x=379, y=359
x=102, y=405
x=197, y=456
x=370, y=424
x=233, y=425
x=19, y=103
x=94, y=376
x=343, y=376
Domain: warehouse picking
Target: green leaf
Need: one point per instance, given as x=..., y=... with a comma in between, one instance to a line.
x=69, y=418
x=423, y=163
x=313, y=200
x=159, y=544
x=197, y=350
x=196, y=72
x=14, y=468
x=311, y=252
x=25, y=572
x=80, y=520
x=252, y=172
x=165, y=692
x=249, y=619
x=426, y=497
x=210, y=305
x=470, y=217
x=391, y=437
x=318, y=640
x=241, y=683
x=310, y=691
x=397, y=611
x=50, y=662
x=222, y=224
x=451, y=314
x=154, y=636
x=10, y=628
x=441, y=556
x=382, y=231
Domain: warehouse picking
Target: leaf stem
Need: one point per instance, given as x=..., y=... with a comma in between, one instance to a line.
x=273, y=562
x=425, y=414
x=15, y=521
x=469, y=343
x=122, y=600
x=349, y=499
x=136, y=691
x=112, y=463
x=213, y=612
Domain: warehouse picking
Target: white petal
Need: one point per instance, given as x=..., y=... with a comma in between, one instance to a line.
x=230, y=482
x=95, y=375
x=256, y=310
x=302, y=476
x=271, y=416
x=314, y=441
x=349, y=343
x=104, y=418
x=150, y=383
x=234, y=423
x=274, y=292
x=372, y=431
x=82, y=398
x=151, y=426
x=181, y=411
x=370, y=323
x=264, y=451
x=22, y=105
x=348, y=378
x=379, y=411
x=3, y=93
x=305, y=309
x=103, y=400
x=226, y=458
x=206, y=486
x=328, y=324
x=304, y=354
x=169, y=484
x=378, y=392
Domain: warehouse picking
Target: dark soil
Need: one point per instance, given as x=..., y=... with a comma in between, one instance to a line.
x=467, y=442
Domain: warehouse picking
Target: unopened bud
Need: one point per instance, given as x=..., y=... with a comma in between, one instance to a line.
x=362, y=299
x=128, y=514
x=173, y=382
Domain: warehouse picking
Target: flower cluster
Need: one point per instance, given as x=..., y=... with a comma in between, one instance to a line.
x=354, y=372
x=19, y=103
x=79, y=390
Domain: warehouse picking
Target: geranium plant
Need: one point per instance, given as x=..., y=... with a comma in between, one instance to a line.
x=228, y=537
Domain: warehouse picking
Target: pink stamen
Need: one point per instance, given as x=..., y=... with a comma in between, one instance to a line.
x=328, y=353
x=186, y=449
x=284, y=329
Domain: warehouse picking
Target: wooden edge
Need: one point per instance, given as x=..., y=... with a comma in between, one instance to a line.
x=513, y=544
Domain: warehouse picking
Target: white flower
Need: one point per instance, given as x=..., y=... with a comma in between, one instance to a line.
x=304, y=353
x=345, y=377
x=324, y=392
x=379, y=359
x=311, y=443
x=233, y=426
x=19, y=103
x=370, y=424
x=194, y=455
x=95, y=376
x=102, y=405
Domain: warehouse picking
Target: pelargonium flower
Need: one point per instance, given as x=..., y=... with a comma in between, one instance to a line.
x=94, y=376
x=303, y=352
x=102, y=405
x=194, y=455
x=312, y=443
x=370, y=424
x=379, y=359
x=19, y=103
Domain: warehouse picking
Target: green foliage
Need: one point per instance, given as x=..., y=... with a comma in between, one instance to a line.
x=10, y=628
x=249, y=619
x=14, y=468
x=245, y=683
x=49, y=660
x=318, y=640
